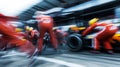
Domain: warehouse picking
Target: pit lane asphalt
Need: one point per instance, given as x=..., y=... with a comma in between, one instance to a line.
x=62, y=58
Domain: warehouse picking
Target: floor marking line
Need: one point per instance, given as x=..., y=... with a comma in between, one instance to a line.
x=69, y=64
x=102, y=57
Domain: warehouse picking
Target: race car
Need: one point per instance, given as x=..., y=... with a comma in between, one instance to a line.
x=76, y=42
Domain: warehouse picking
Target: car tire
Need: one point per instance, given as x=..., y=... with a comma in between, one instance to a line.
x=74, y=42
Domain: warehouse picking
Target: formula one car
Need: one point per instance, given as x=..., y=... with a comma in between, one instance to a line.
x=76, y=42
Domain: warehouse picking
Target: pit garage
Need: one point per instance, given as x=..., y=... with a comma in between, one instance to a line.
x=20, y=33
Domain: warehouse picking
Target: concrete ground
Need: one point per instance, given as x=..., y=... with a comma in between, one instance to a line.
x=62, y=58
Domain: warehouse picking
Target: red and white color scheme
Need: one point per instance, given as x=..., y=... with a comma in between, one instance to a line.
x=104, y=34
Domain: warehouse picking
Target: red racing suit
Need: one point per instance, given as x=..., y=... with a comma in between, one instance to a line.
x=12, y=37
x=103, y=36
x=45, y=24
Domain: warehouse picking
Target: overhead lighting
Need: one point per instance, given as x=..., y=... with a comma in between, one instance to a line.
x=57, y=9
x=15, y=7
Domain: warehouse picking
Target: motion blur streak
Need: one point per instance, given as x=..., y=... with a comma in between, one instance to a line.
x=60, y=62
